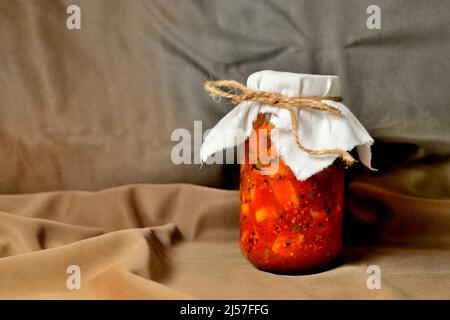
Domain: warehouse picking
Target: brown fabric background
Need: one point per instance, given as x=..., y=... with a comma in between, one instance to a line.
x=94, y=109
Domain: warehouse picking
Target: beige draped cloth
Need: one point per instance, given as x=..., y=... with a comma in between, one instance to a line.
x=181, y=241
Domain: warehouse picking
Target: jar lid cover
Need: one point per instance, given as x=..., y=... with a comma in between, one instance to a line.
x=295, y=84
x=317, y=130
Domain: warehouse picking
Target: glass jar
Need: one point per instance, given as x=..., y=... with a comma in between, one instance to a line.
x=287, y=225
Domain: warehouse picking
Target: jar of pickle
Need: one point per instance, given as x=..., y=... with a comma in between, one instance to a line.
x=287, y=225
x=291, y=196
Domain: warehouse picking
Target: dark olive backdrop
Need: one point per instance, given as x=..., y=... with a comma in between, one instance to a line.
x=95, y=108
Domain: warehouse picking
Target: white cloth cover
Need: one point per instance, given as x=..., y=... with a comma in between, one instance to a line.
x=316, y=129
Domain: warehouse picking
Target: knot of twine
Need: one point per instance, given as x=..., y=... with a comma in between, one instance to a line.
x=283, y=102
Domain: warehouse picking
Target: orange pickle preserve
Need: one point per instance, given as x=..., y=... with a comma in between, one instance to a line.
x=287, y=225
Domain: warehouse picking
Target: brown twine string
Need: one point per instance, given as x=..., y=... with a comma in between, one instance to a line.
x=283, y=102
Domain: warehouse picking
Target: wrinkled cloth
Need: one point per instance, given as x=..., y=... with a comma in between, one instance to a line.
x=317, y=130
x=95, y=108
x=181, y=242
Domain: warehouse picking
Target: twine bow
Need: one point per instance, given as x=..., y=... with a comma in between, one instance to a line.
x=283, y=102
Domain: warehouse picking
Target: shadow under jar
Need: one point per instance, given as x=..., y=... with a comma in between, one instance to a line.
x=287, y=225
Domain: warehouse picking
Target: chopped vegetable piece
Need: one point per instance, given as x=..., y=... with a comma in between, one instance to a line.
x=244, y=208
x=285, y=192
x=264, y=213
